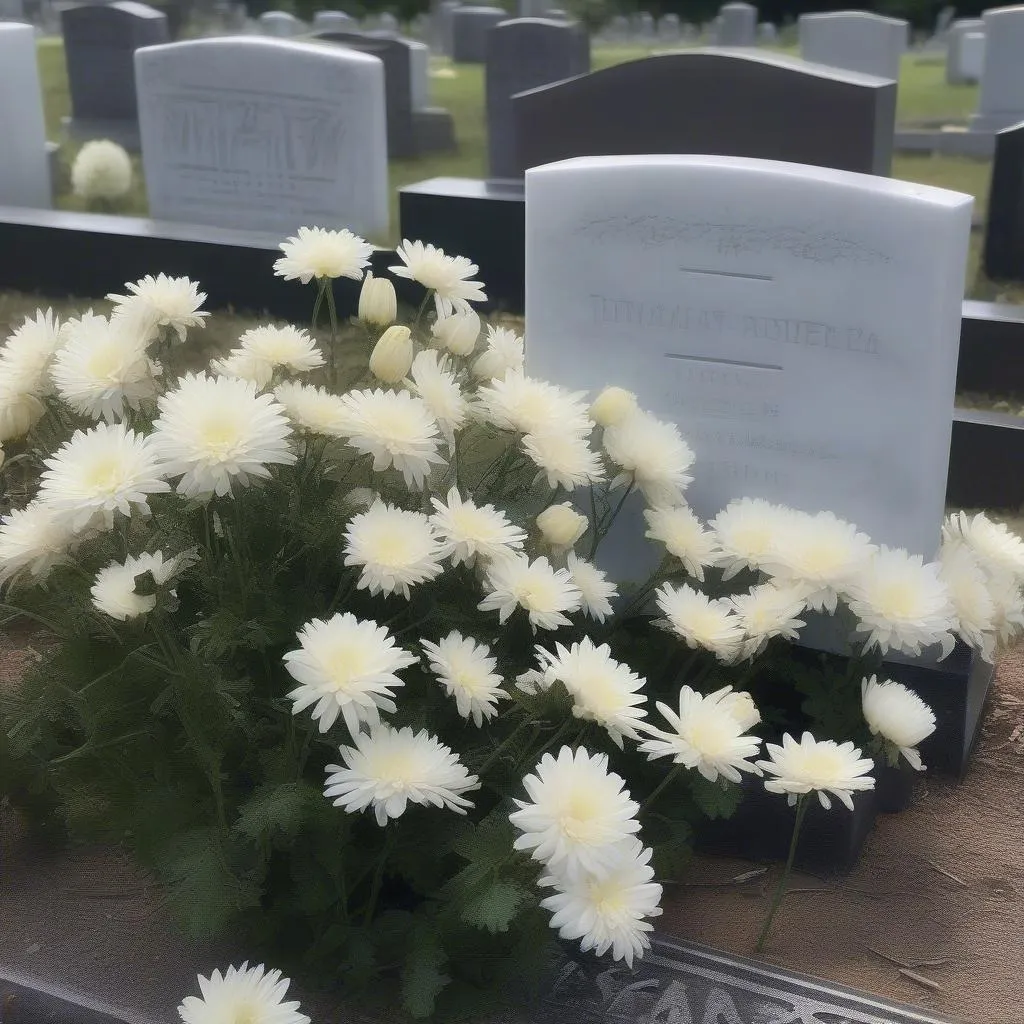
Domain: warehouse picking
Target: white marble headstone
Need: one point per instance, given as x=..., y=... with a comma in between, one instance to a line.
x=972, y=56
x=264, y=135
x=419, y=73
x=281, y=24
x=855, y=41
x=24, y=164
x=800, y=324
x=1001, y=102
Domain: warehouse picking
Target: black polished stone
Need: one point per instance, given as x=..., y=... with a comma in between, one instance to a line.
x=986, y=458
x=991, y=349
x=1004, y=235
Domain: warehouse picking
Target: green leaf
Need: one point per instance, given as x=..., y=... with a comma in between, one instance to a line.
x=494, y=908
x=489, y=845
x=274, y=810
x=715, y=799
x=422, y=976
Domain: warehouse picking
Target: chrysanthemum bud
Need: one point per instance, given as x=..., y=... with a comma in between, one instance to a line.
x=378, y=303
x=741, y=706
x=612, y=406
x=458, y=334
x=392, y=355
x=561, y=525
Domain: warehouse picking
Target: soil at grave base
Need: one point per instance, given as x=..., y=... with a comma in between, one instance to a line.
x=91, y=919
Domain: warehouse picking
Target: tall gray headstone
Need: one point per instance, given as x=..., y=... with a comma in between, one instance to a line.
x=444, y=28
x=736, y=25
x=12, y=10
x=265, y=135
x=333, y=21
x=955, y=74
x=645, y=31
x=668, y=29
x=767, y=33
x=855, y=40
x=523, y=54
x=419, y=70
x=24, y=164
x=1001, y=102
x=388, y=24
x=972, y=56
x=281, y=24
x=470, y=26
x=532, y=8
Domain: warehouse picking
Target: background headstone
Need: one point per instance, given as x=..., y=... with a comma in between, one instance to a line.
x=333, y=21
x=1001, y=102
x=24, y=163
x=532, y=8
x=767, y=33
x=441, y=24
x=668, y=29
x=619, y=28
x=801, y=325
x=645, y=32
x=1004, y=232
x=12, y=10
x=736, y=25
x=388, y=23
x=955, y=36
x=419, y=72
x=523, y=54
x=854, y=40
x=265, y=135
x=972, y=56
x=281, y=24
x=470, y=26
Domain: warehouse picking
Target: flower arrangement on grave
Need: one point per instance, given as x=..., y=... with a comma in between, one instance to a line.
x=101, y=175
x=326, y=642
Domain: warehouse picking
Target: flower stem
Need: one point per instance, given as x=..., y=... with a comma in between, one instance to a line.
x=656, y=792
x=324, y=283
x=565, y=727
x=501, y=746
x=608, y=521
x=780, y=891
x=378, y=878
x=333, y=311
x=422, y=309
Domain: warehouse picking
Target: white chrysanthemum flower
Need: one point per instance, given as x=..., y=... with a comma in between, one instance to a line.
x=564, y=458
x=702, y=621
x=389, y=768
x=101, y=170
x=608, y=911
x=360, y=498
x=262, y=350
x=561, y=525
x=313, y=409
x=346, y=666
x=113, y=592
x=1008, y=600
x=748, y=531
x=706, y=734
x=969, y=591
x=577, y=814
x=378, y=303
x=543, y=592
x=595, y=589
x=505, y=353
x=532, y=681
x=26, y=356
x=902, y=603
x=396, y=429
x=603, y=690
x=530, y=406
x=651, y=453
x=465, y=669
x=319, y=253
x=684, y=536
x=391, y=358
x=742, y=707
x=162, y=301
x=458, y=334
x=19, y=412
x=469, y=531
x=395, y=549
x=215, y=430
x=32, y=539
x=244, y=995
x=100, y=471
x=898, y=715
x=612, y=406
x=102, y=369
x=821, y=554
x=446, y=276
x=996, y=547
x=436, y=385
x=816, y=766
x=767, y=611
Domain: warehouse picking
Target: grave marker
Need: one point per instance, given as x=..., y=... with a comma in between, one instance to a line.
x=470, y=26
x=736, y=25
x=24, y=166
x=954, y=70
x=1004, y=230
x=333, y=21
x=281, y=24
x=855, y=40
x=1001, y=102
x=972, y=56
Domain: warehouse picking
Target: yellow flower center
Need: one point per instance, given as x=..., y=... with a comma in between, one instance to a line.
x=246, y=1013
x=465, y=675
x=396, y=767
x=220, y=435
x=711, y=734
x=578, y=815
x=896, y=601
x=601, y=695
x=105, y=475
x=606, y=897
x=344, y=664
x=471, y=522
x=753, y=540
x=821, y=765
x=103, y=361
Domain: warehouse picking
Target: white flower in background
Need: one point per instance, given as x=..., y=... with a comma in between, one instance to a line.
x=436, y=385
x=446, y=276
x=101, y=170
x=360, y=498
x=532, y=681
x=707, y=734
x=345, y=666
x=543, y=592
x=596, y=591
x=820, y=553
x=898, y=715
x=1008, y=601
x=389, y=768
x=577, y=815
x=378, y=304
x=603, y=690
x=816, y=766
x=213, y=431
x=313, y=409
x=102, y=370
x=652, y=454
x=995, y=546
x=530, y=406
x=458, y=334
x=469, y=531
x=26, y=356
x=392, y=355
x=608, y=911
x=684, y=536
x=902, y=603
x=742, y=707
x=749, y=530
x=19, y=412
x=113, y=592
x=262, y=350
x=505, y=353
x=396, y=429
x=612, y=406
x=322, y=254
x=395, y=549
x=32, y=539
x=564, y=458
x=561, y=525
x=465, y=669
x=708, y=623
x=244, y=995
x=100, y=471
x=969, y=591
x=161, y=301
x=767, y=611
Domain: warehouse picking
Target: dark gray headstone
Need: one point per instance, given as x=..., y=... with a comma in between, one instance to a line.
x=441, y=24
x=523, y=54
x=470, y=26
x=1004, y=236
x=723, y=103
x=100, y=41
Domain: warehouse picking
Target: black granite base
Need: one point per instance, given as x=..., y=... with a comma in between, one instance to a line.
x=986, y=455
x=1003, y=255
x=991, y=348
